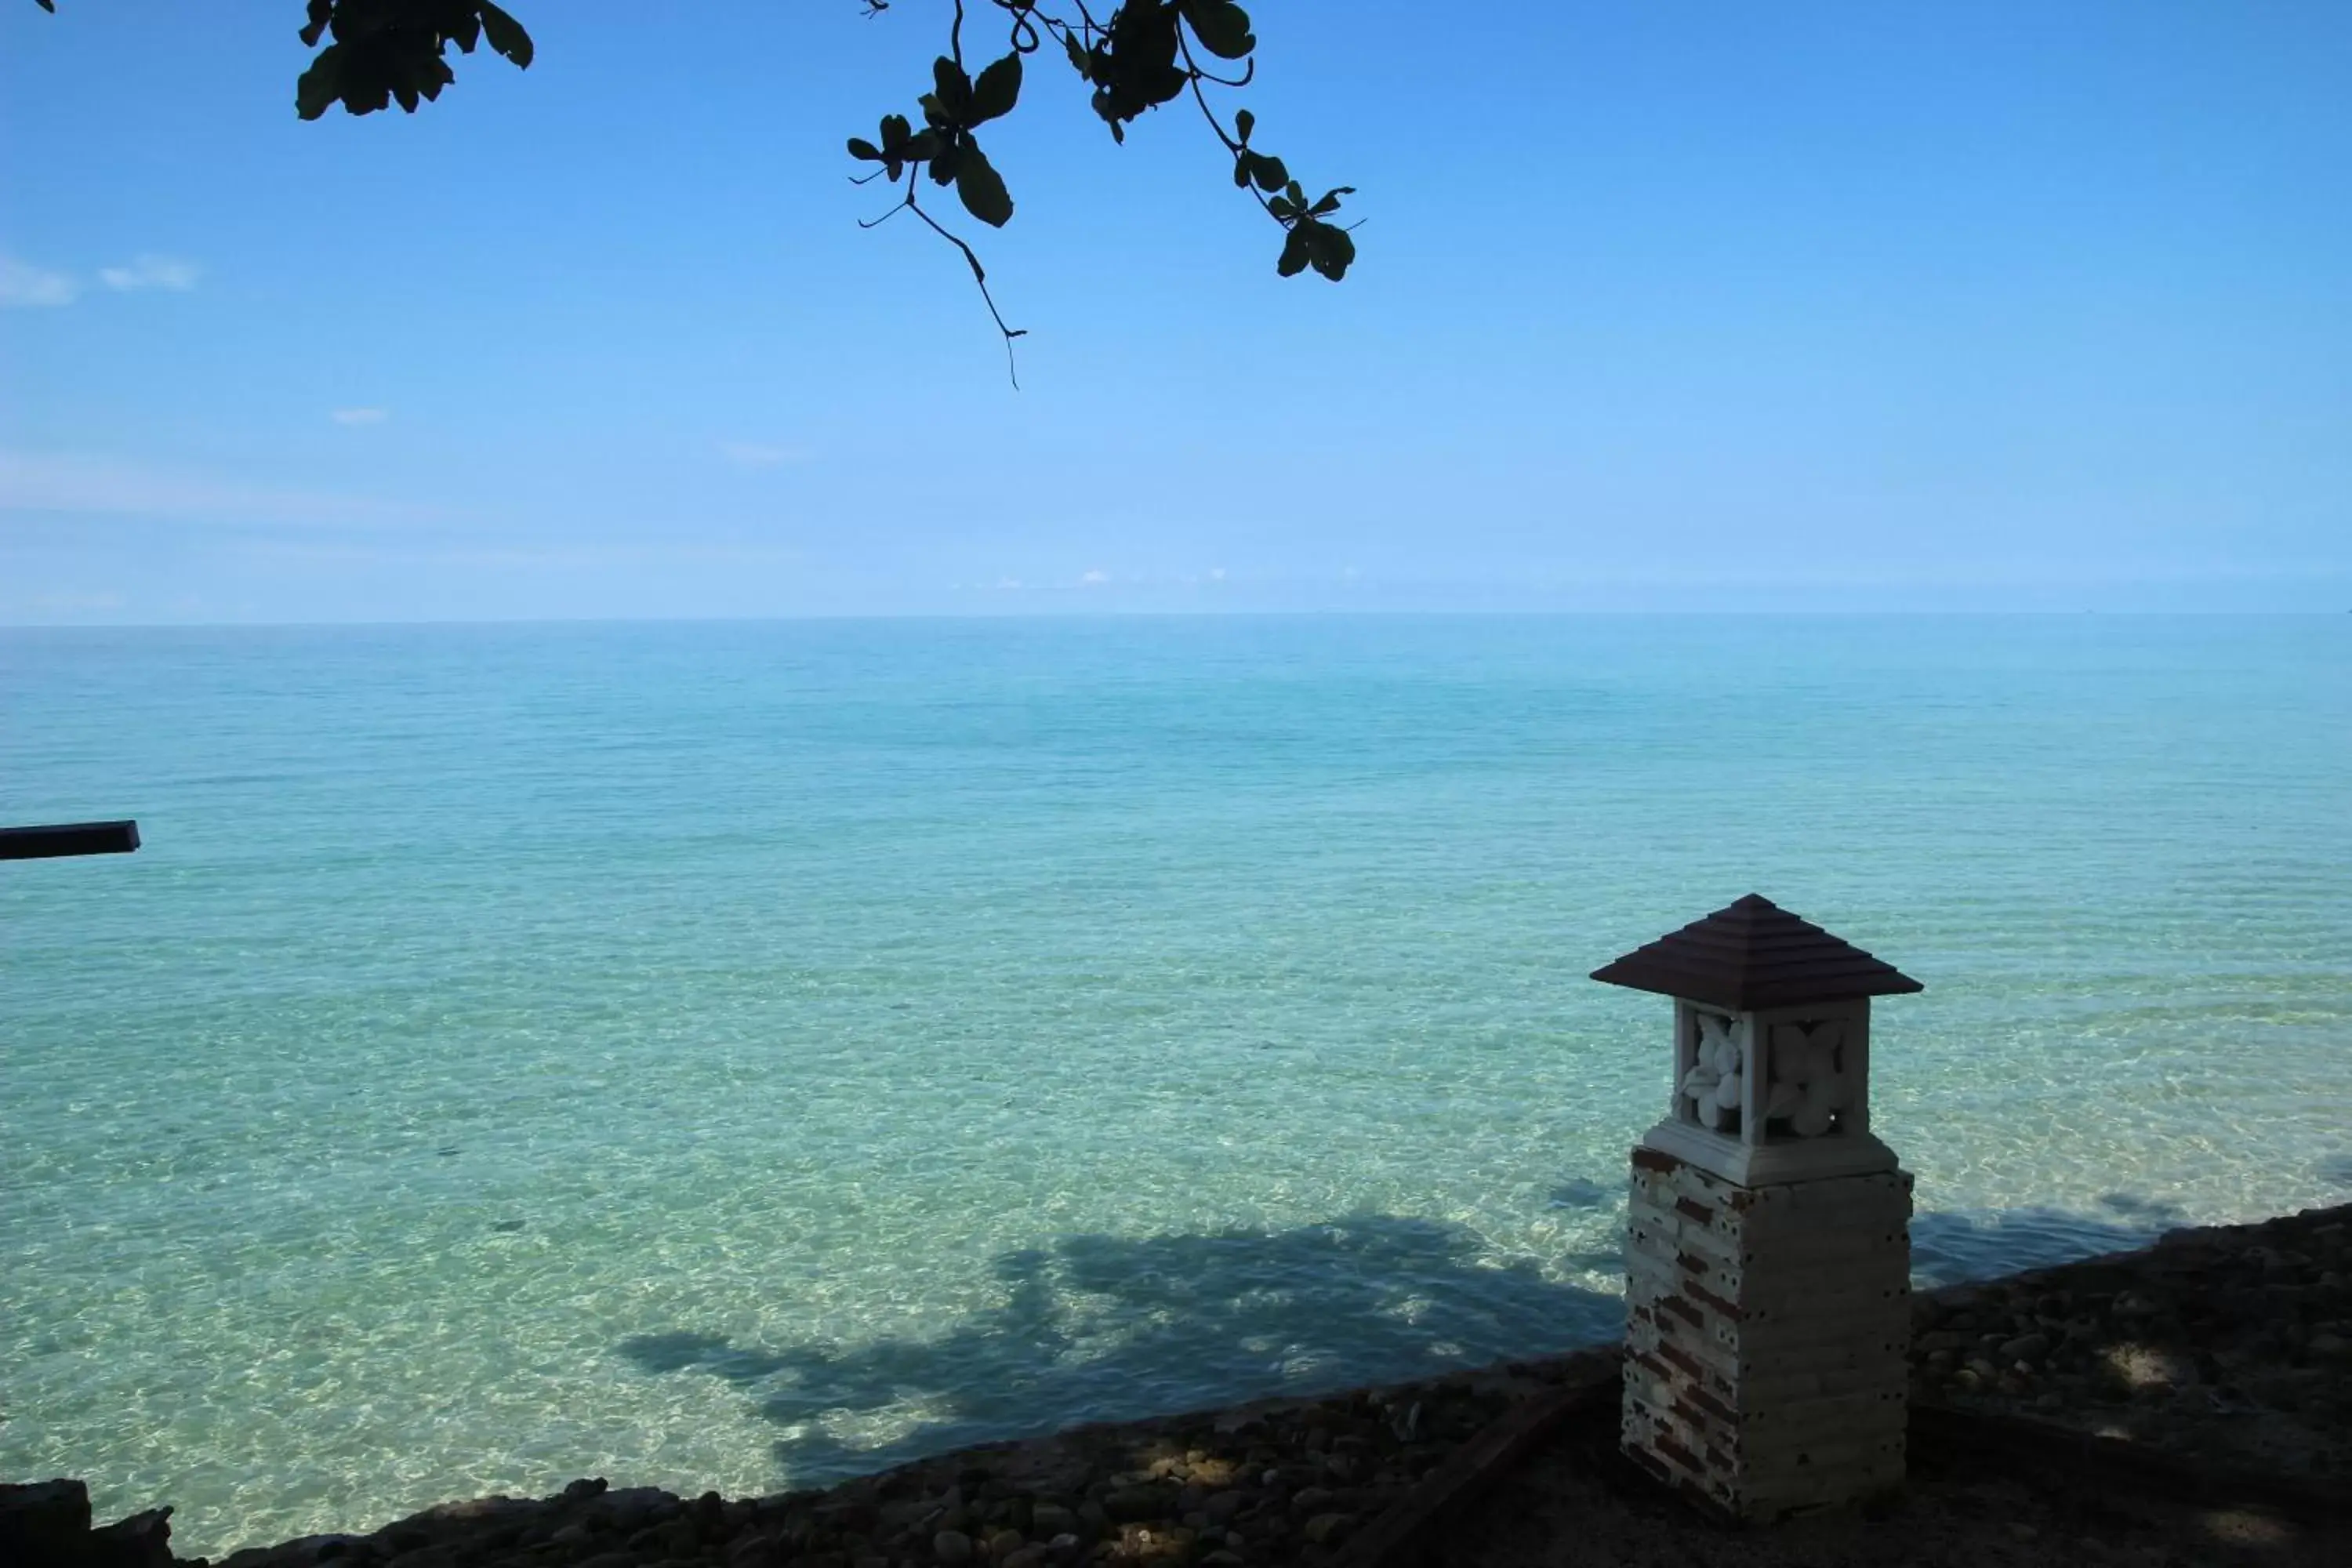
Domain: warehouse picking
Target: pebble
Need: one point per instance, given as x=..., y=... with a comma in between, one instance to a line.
x=1130, y=1505
x=951, y=1547
x=1326, y=1528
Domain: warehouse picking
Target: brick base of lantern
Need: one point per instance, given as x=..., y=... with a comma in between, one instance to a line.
x=1767, y=1335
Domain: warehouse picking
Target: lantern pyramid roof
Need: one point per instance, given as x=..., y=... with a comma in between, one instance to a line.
x=1753, y=954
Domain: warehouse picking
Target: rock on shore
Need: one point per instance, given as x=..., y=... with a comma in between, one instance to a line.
x=1263, y=1483
x=47, y=1525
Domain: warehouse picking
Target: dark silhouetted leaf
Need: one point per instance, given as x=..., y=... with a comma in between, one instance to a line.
x=318, y=88
x=862, y=149
x=506, y=35
x=1271, y=174
x=1243, y=123
x=1294, y=253
x=1330, y=202
x=1329, y=248
x=997, y=91
x=953, y=88
x=983, y=188
x=1222, y=28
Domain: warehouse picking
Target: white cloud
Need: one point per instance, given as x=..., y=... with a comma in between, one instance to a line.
x=23, y=284
x=758, y=455
x=150, y=272
x=360, y=416
x=1216, y=573
x=1094, y=579
x=35, y=481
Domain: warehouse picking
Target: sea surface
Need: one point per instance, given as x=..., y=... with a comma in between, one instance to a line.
x=745, y=1055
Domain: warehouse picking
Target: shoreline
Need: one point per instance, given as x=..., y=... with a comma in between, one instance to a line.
x=2227, y=1348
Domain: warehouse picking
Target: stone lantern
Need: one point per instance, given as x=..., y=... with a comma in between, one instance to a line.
x=1768, y=1261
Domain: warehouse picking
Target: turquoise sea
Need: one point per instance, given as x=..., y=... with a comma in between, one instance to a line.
x=742, y=1054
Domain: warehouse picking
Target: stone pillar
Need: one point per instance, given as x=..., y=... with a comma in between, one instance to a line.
x=1767, y=1335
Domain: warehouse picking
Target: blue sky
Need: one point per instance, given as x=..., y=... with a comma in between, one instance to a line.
x=1705, y=306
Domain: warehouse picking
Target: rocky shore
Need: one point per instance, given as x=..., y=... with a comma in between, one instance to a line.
x=2232, y=1343
x=2228, y=1349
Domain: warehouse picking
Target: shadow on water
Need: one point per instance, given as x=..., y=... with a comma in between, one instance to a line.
x=1584, y=1192
x=1952, y=1244
x=1111, y=1328
x=1098, y=1327
x=1594, y=1200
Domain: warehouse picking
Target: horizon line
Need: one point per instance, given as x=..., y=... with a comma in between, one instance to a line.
x=1695, y=612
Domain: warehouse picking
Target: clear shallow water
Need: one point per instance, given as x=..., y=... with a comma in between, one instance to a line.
x=745, y=1055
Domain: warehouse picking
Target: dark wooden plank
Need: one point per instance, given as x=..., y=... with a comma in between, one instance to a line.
x=2064, y=1456
x=1400, y=1536
x=68, y=838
